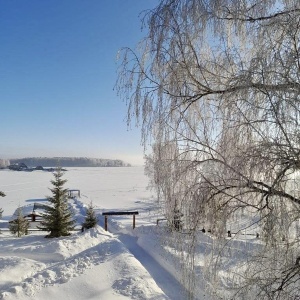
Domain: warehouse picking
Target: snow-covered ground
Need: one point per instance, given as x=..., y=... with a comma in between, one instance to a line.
x=120, y=263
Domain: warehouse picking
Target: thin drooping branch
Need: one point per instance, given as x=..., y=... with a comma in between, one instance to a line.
x=215, y=86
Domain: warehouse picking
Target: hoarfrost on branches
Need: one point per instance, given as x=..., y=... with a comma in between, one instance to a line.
x=215, y=87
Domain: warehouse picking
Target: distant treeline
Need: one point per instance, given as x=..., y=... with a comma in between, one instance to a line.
x=64, y=162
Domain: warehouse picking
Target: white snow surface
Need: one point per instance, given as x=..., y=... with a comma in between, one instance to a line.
x=120, y=263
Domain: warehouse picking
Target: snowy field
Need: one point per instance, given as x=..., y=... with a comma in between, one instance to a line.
x=120, y=263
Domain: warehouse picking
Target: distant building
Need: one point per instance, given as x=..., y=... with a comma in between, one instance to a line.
x=39, y=168
x=18, y=167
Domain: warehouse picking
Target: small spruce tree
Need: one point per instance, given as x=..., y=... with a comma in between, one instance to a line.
x=58, y=218
x=20, y=225
x=91, y=219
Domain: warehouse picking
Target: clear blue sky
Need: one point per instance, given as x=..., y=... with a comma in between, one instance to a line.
x=57, y=72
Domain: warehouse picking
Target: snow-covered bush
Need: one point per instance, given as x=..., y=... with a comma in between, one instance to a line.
x=20, y=225
x=91, y=219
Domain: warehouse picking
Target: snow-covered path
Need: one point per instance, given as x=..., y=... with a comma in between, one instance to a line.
x=164, y=279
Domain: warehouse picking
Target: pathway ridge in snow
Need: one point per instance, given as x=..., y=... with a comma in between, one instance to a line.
x=71, y=257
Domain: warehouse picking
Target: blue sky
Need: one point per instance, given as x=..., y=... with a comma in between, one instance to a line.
x=57, y=72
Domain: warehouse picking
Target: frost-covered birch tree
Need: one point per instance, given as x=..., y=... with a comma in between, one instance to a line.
x=219, y=80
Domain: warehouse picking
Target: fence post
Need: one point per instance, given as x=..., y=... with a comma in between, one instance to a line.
x=105, y=223
x=133, y=226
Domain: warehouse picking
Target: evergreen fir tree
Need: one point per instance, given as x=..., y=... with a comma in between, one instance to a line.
x=20, y=225
x=91, y=219
x=58, y=218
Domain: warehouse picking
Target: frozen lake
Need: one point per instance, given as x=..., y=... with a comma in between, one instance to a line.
x=108, y=188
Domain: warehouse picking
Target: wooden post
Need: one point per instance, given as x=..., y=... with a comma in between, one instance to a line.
x=133, y=226
x=119, y=213
x=105, y=223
